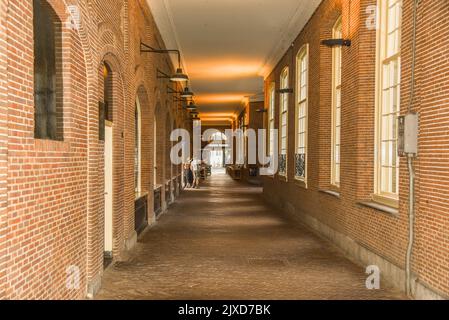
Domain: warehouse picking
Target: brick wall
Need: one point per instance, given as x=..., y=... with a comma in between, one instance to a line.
x=52, y=212
x=3, y=149
x=381, y=233
x=431, y=259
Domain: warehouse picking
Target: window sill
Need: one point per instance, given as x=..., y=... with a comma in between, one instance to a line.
x=332, y=193
x=300, y=183
x=51, y=145
x=386, y=201
x=139, y=195
x=282, y=178
x=380, y=207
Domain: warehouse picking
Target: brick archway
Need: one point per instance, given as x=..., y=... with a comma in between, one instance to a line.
x=146, y=138
x=147, y=149
x=117, y=110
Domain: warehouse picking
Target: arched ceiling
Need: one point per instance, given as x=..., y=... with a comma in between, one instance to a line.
x=229, y=46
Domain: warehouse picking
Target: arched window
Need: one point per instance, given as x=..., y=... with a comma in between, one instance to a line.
x=271, y=110
x=105, y=106
x=108, y=92
x=302, y=87
x=48, y=111
x=283, y=125
x=336, y=105
x=388, y=101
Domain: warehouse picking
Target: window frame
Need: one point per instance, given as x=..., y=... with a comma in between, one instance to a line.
x=242, y=139
x=303, y=52
x=52, y=128
x=382, y=58
x=271, y=117
x=283, y=110
x=336, y=105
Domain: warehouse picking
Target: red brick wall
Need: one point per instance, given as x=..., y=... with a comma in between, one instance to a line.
x=3, y=149
x=431, y=259
x=53, y=212
x=382, y=233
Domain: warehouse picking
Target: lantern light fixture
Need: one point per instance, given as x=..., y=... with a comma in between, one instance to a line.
x=179, y=76
x=184, y=95
x=192, y=106
x=187, y=94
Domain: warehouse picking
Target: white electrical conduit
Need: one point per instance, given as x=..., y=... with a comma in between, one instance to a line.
x=411, y=233
x=410, y=157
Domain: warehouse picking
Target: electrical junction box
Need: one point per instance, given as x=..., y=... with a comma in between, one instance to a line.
x=408, y=135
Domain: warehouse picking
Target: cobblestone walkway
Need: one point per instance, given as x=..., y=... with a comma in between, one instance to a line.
x=222, y=242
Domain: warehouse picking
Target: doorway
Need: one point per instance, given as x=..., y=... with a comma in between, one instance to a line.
x=218, y=153
x=108, y=193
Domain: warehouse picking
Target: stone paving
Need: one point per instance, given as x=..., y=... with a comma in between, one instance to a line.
x=222, y=242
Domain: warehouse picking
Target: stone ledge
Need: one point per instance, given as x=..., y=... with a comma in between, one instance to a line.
x=131, y=242
x=360, y=255
x=331, y=193
x=379, y=207
x=93, y=286
x=423, y=292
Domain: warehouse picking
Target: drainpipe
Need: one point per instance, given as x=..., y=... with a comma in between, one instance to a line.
x=411, y=171
x=411, y=234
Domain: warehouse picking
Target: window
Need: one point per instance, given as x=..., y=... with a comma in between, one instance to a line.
x=48, y=112
x=283, y=123
x=241, y=157
x=104, y=112
x=137, y=148
x=336, y=106
x=271, y=110
x=388, y=100
x=302, y=65
x=244, y=139
x=107, y=92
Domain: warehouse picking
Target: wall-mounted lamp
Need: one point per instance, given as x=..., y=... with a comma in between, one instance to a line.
x=336, y=43
x=192, y=106
x=179, y=76
x=187, y=94
x=184, y=95
x=286, y=90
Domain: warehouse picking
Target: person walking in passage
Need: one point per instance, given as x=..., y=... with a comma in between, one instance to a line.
x=190, y=176
x=186, y=169
x=196, y=167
